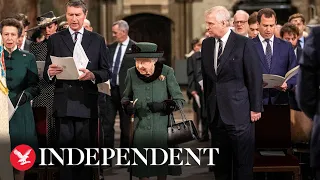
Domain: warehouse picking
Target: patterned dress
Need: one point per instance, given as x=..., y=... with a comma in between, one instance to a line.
x=45, y=99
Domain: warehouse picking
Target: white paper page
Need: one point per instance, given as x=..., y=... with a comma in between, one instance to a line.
x=197, y=99
x=272, y=80
x=11, y=109
x=104, y=87
x=291, y=73
x=40, y=66
x=70, y=71
x=80, y=57
x=201, y=84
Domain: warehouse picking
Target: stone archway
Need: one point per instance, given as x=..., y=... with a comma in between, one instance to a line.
x=147, y=27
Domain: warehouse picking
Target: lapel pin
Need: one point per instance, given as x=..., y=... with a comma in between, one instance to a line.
x=24, y=55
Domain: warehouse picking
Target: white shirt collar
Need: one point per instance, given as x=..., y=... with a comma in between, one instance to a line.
x=225, y=37
x=126, y=42
x=302, y=39
x=81, y=31
x=263, y=39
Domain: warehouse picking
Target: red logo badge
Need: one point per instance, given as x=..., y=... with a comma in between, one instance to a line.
x=22, y=157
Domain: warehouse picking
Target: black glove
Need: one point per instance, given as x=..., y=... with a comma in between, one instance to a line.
x=156, y=106
x=166, y=106
x=128, y=107
x=23, y=99
x=170, y=106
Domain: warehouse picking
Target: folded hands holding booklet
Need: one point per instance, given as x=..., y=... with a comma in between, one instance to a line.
x=272, y=80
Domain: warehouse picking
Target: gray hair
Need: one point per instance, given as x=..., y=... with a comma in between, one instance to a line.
x=123, y=25
x=78, y=3
x=87, y=21
x=222, y=14
x=153, y=59
x=241, y=12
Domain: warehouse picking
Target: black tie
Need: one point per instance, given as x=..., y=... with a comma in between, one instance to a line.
x=299, y=44
x=75, y=36
x=116, y=67
x=268, y=53
x=219, y=52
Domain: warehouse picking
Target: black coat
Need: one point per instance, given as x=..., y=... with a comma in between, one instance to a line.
x=308, y=90
x=237, y=87
x=126, y=63
x=72, y=97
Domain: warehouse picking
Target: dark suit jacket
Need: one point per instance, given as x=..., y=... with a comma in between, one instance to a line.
x=126, y=63
x=283, y=59
x=72, y=97
x=292, y=98
x=27, y=45
x=308, y=94
x=237, y=87
x=193, y=66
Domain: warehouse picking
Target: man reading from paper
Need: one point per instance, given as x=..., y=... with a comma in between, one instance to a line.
x=75, y=104
x=276, y=57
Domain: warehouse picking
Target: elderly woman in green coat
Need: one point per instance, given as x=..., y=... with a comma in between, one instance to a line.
x=157, y=94
x=22, y=79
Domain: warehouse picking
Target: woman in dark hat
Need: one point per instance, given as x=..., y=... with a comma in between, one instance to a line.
x=47, y=25
x=151, y=83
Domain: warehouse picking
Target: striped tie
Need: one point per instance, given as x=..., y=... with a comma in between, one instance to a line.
x=219, y=52
x=75, y=36
x=268, y=53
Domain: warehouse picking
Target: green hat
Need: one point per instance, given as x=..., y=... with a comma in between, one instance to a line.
x=144, y=50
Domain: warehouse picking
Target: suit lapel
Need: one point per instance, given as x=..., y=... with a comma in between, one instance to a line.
x=67, y=39
x=262, y=56
x=86, y=40
x=275, y=54
x=227, y=50
x=128, y=49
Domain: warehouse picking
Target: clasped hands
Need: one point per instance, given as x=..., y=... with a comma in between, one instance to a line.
x=283, y=87
x=55, y=69
x=167, y=106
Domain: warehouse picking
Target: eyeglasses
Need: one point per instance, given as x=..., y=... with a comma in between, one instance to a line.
x=241, y=22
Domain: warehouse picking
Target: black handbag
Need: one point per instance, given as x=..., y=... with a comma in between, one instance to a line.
x=181, y=132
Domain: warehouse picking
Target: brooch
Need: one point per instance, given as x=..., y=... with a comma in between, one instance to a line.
x=162, y=77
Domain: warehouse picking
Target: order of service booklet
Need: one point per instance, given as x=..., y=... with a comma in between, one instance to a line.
x=273, y=80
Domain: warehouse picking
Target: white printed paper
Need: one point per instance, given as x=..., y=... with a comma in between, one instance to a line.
x=104, y=88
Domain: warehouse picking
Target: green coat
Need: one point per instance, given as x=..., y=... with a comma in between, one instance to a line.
x=22, y=74
x=151, y=128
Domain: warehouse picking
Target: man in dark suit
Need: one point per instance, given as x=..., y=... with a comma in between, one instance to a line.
x=299, y=20
x=276, y=56
x=194, y=88
x=23, y=42
x=232, y=80
x=290, y=32
x=308, y=93
x=76, y=101
x=119, y=64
